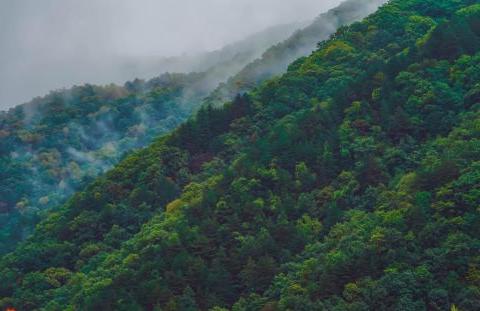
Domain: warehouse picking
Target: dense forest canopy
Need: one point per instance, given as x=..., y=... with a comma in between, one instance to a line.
x=351, y=182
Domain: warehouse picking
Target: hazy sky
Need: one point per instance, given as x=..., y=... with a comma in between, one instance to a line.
x=49, y=44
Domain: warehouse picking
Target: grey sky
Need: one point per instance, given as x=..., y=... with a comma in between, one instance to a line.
x=49, y=44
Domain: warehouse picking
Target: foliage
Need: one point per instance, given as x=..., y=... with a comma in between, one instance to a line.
x=57, y=144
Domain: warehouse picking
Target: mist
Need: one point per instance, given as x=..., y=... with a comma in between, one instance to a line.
x=51, y=44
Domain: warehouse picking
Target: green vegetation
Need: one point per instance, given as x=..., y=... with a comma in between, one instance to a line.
x=276, y=59
x=349, y=183
x=54, y=145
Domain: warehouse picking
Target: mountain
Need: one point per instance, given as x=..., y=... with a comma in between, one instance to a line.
x=351, y=182
x=245, y=51
x=276, y=59
x=57, y=144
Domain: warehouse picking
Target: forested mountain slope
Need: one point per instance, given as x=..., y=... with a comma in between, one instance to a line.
x=276, y=59
x=349, y=183
x=56, y=144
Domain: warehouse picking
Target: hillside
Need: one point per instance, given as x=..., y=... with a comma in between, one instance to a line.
x=351, y=182
x=275, y=60
x=57, y=144
x=244, y=51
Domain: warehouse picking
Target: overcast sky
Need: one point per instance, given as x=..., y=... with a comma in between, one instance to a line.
x=49, y=44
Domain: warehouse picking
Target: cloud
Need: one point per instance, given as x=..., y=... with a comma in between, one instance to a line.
x=51, y=44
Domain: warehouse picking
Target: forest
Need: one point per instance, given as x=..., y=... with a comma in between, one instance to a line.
x=56, y=144
x=350, y=182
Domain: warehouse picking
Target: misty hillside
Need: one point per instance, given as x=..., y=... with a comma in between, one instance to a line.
x=276, y=59
x=351, y=182
x=57, y=144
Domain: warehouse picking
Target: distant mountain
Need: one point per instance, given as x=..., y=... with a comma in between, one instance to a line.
x=244, y=51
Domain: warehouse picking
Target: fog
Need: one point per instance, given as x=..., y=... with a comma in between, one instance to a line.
x=50, y=44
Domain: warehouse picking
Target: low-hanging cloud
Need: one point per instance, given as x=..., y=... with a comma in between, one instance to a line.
x=51, y=44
